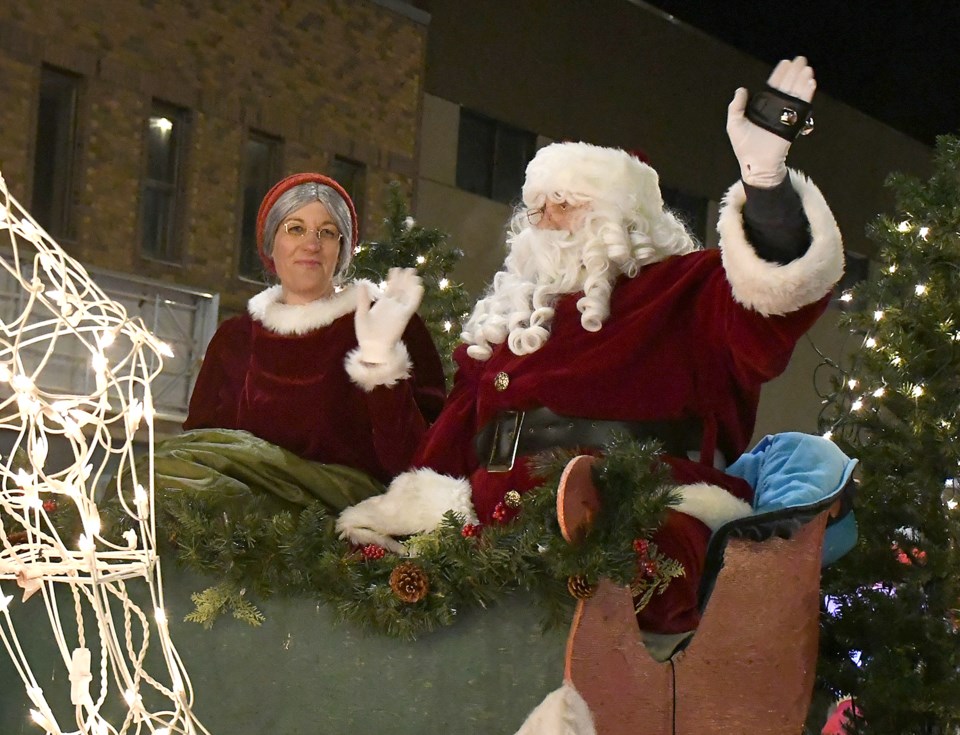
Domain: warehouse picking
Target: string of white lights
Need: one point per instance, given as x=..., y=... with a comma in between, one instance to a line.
x=93, y=588
x=860, y=396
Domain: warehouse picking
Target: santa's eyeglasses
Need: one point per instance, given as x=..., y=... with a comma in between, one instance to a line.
x=534, y=216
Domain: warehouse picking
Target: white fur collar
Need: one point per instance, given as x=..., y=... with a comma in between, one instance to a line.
x=276, y=316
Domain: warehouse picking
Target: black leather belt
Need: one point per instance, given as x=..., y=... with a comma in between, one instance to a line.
x=513, y=433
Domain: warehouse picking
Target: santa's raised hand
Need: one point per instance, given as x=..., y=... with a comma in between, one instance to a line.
x=762, y=154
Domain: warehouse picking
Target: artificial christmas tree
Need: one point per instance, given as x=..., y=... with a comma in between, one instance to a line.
x=891, y=638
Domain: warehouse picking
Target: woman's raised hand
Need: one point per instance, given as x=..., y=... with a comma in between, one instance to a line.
x=380, y=325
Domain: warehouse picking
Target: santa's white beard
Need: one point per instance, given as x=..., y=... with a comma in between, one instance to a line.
x=549, y=258
x=542, y=266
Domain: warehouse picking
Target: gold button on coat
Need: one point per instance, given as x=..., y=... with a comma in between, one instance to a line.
x=501, y=381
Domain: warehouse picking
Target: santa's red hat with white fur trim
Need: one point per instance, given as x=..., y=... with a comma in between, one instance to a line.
x=608, y=175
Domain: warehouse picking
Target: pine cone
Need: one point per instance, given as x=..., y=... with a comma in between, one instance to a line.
x=409, y=582
x=579, y=587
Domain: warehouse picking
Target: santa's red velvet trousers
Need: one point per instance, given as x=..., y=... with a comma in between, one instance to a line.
x=684, y=539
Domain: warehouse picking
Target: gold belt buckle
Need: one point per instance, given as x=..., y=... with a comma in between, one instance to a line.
x=503, y=449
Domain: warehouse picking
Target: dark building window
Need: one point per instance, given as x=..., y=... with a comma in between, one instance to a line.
x=689, y=209
x=166, y=136
x=351, y=175
x=53, y=158
x=492, y=157
x=261, y=170
x=856, y=269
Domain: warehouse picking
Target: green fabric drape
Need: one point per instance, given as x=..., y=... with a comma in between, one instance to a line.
x=230, y=504
x=232, y=467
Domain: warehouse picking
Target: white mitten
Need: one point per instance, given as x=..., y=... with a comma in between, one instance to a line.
x=415, y=502
x=379, y=327
x=562, y=712
x=762, y=155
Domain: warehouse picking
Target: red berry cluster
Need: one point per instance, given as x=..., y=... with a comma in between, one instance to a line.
x=470, y=530
x=645, y=565
x=50, y=505
x=372, y=551
x=501, y=513
x=648, y=568
x=919, y=554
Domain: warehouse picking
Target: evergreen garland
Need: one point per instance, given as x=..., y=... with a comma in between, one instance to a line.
x=260, y=552
x=214, y=601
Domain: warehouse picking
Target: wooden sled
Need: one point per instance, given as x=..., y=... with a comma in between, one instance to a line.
x=750, y=666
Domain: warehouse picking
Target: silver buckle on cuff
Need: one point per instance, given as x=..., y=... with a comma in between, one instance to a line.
x=789, y=116
x=506, y=439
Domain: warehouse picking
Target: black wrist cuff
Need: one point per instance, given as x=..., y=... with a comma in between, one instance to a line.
x=780, y=113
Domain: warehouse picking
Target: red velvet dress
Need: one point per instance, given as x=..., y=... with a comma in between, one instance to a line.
x=286, y=383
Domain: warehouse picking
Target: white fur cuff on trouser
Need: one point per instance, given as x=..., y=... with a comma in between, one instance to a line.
x=711, y=504
x=562, y=712
x=771, y=288
x=414, y=502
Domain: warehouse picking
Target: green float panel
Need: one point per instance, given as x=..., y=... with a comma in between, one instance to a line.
x=303, y=673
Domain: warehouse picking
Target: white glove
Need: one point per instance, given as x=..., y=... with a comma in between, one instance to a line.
x=762, y=155
x=379, y=327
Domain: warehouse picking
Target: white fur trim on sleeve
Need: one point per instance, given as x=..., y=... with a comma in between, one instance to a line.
x=562, y=712
x=396, y=368
x=415, y=502
x=771, y=288
x=711, y=504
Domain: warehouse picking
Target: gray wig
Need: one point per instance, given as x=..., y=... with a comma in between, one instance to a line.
x=300, y=196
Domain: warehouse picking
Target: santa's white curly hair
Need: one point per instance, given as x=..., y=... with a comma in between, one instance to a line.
x=625, y=227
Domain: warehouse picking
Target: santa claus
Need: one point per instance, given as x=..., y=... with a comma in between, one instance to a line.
x=607, y=317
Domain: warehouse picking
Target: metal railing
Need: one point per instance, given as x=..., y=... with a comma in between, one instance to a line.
x=184, y=318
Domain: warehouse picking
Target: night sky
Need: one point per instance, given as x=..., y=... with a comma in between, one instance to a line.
x=895, y=60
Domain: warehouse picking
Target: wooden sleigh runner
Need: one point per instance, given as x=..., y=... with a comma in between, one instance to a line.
x=750, y=666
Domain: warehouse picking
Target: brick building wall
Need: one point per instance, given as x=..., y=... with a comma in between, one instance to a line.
x=326, y=77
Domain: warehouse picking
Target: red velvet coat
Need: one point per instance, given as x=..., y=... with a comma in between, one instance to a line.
x=676, y=345
x=693, y=336
x=287, y=383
